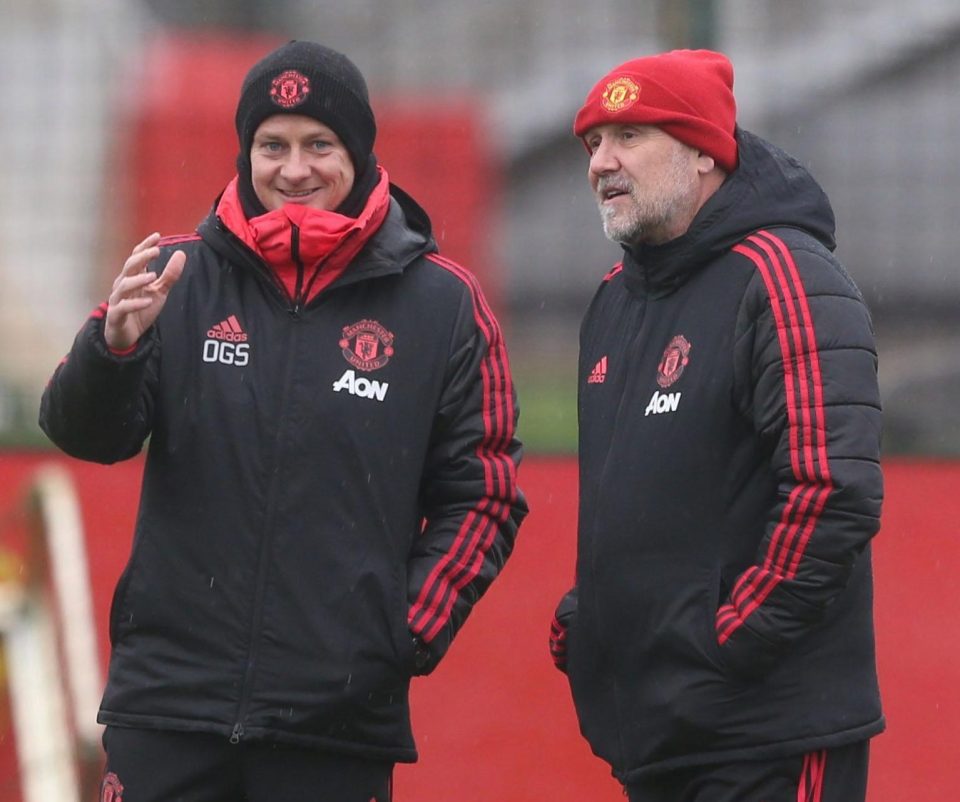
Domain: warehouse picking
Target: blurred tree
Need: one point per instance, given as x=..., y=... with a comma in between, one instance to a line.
x=687, y=23
x=242, y=14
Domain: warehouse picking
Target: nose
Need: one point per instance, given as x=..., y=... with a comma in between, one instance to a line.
x=603, y=160
x=295, y=167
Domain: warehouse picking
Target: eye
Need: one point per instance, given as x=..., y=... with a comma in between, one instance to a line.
x=320, y=145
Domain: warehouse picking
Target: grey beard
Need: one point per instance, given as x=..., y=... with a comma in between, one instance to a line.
x=623, y=232
x=652, y=212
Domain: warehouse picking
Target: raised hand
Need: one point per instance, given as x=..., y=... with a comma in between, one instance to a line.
x=138, y=294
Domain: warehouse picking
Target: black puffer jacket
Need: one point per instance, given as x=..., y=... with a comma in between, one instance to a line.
x=729, y=487
x=320, y=483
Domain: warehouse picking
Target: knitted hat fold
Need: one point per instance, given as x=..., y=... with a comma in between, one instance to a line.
x=686, y=93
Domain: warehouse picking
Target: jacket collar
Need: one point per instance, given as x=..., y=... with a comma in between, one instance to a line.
x=769, y=188
x=306, y=249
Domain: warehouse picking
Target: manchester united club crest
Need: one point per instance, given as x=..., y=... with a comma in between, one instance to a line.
x=675, y=358
x=621, y=93
x=367, y=345
x=111, y=790
x=289, y=89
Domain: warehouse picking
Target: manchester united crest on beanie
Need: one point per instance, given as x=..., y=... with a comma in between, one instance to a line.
x=687, y=93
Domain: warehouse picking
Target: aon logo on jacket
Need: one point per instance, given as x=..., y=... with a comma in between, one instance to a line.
x=362, y=386
x=662, y=402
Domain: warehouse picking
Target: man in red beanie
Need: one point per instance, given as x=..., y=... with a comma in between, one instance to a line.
x=330, y=483
x=719, y=639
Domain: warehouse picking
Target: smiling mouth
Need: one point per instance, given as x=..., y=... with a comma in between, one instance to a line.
x=299, y=194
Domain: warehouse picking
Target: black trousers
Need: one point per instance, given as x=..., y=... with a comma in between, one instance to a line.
x=834, y=775
x=160, y=766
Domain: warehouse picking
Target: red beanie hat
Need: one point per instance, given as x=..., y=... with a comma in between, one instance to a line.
x=687, y=93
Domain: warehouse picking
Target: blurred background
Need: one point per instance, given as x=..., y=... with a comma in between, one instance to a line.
x=117, y=120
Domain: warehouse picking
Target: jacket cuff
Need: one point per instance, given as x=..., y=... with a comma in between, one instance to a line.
x=137, y=352
x=558, y=644
x=424, y=660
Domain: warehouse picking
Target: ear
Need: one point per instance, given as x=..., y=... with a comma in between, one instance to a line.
x=705, y=163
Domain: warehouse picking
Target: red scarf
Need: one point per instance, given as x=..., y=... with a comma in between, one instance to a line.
x=328, y=240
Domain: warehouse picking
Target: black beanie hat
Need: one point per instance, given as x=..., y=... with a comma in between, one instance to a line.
x=313, y=80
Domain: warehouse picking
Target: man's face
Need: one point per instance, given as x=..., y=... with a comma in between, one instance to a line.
x=297, y=159
x=646, y=183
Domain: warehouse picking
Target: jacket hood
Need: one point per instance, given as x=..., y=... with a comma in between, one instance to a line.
x=769, y=188
x=405, y=235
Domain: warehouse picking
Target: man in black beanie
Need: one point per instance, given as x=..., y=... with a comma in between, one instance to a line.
x=330, y=483
x=308, y=79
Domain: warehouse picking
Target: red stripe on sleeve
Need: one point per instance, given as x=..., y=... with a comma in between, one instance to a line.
x=803, y=388
x=462, y=563
x=177, y=239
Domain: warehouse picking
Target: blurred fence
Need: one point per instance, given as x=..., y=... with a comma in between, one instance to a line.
x=112, y=109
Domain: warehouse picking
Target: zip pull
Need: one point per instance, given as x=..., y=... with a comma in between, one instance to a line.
x=237, y=733
x=295, y=255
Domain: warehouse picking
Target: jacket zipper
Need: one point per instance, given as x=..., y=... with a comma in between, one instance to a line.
x=295, y=255
x=320, y=266
x=623, y=402
x=263, y=559
x=263, y=270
